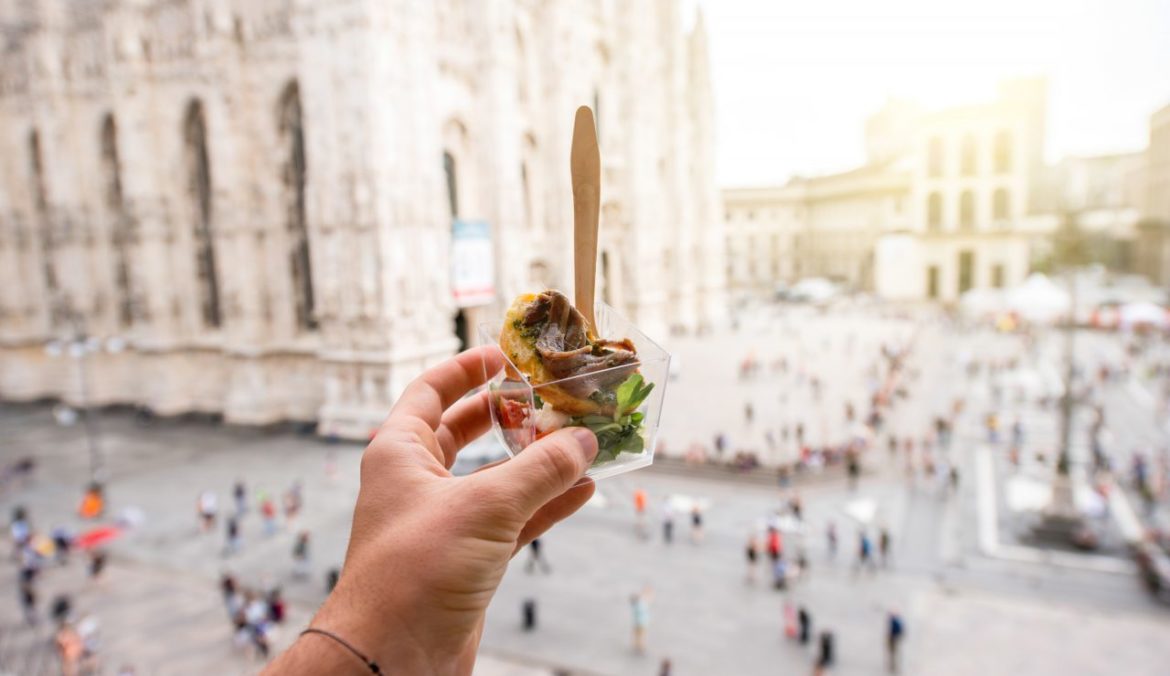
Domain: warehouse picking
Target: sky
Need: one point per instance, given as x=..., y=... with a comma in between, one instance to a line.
x=795, y=81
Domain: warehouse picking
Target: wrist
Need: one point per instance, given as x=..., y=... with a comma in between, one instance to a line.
x=371, y=624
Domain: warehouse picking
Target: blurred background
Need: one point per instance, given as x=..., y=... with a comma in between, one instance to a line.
x=912, y=263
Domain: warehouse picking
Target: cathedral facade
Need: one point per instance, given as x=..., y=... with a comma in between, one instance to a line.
x=248, y=207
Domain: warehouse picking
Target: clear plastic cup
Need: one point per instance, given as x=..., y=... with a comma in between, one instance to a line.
x=626, y=439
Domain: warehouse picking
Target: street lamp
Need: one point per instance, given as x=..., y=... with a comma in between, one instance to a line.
x=78, y=345
x=1061, y=521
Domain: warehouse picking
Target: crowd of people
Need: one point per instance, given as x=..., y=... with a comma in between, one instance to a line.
x=37, y=554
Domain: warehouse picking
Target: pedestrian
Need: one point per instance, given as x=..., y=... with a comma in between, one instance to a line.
x=696, y=524
x=528, y=612
x=884, y=546
x=331, y=578
x=97, y=563
x=256, y=622
x=804, y=624
x=61, y=609
x=28, y=601
x=775, y=544
x=720, y=444
x=87, y=631
x=62, y=543
x=894, y=633
x=240, y=493
x=779, y=574
x=831, y=537
x=640, y=609
x=667, y=522
x=293, y=500
x=825, y=658
x=535, y=559
x=268, y=514
x=640, y=513
x=93, y=503
x=228, y=588
x=20, y=529
x=864, y=550
x=853, y=467
x=207, y=507
x=232, y=544
x=276, y=606
x=664, y=667
x=301, y=555
x=790, y=621
x=749, y=412
x=69, y=649
x=752, y=550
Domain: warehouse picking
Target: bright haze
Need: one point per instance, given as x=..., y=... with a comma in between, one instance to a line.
x=795, y=81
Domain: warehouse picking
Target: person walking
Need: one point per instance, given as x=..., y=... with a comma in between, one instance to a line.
x=240, y=494
x=28, y=601
x=791, y=630
x=864, y=551
x=207, y=507
x=667, y=522
x=535, y=559
x=268, y=514
x=301, y=555
x=232, y=544
x=753, y=552
x=884, y=546
x=804, y=625
x=640, y=513
x=528, y=613
x=825, y=658
x=640, y=610
x=69, y=648
x=831, y=539
x=696, y=524
x=895, y=630
x=775, y=544
x=97, y=563
x=779, y=574
x=293, y=501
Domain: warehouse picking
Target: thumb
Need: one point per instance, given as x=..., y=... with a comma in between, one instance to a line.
x=544, y=469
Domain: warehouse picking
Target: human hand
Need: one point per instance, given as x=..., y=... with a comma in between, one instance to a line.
x=427, y=550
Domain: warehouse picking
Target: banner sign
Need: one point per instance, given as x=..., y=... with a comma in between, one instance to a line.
x=473, y=274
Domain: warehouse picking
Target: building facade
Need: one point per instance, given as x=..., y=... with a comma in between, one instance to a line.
x=1153, y=232
x=257, y=198
x=976, y=175
x=824, y=226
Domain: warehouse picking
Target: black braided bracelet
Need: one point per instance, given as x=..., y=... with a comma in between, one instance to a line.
x=374, y=668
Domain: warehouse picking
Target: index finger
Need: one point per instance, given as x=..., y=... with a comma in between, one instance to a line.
x=441, y=386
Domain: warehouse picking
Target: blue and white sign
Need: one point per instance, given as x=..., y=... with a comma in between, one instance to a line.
x=473, y=273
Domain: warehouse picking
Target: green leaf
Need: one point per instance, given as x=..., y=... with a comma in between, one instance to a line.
x=627, y=391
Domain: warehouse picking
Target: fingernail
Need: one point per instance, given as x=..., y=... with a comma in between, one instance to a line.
x=588, y=441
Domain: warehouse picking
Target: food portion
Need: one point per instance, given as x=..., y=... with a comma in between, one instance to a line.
x=578, y=378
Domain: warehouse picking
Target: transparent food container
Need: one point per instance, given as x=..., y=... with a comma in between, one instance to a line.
x=626, y=437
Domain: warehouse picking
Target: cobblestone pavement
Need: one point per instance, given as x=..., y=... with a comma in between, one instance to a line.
x=966, y=612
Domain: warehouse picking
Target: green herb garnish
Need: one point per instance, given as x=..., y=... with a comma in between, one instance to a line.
x=622, y=431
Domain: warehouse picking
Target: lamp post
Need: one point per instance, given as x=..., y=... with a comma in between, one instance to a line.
x=1061, y=521
x=76, y=344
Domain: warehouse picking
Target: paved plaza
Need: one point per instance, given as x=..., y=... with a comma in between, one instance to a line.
x=969, y=609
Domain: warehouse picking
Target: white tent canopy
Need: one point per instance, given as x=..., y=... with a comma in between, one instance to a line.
x=1142, y=314
x=1039, y=299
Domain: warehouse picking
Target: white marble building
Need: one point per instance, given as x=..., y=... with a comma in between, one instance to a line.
x=258, y=195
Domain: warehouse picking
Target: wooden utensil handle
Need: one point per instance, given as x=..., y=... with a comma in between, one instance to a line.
x=585, y=168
